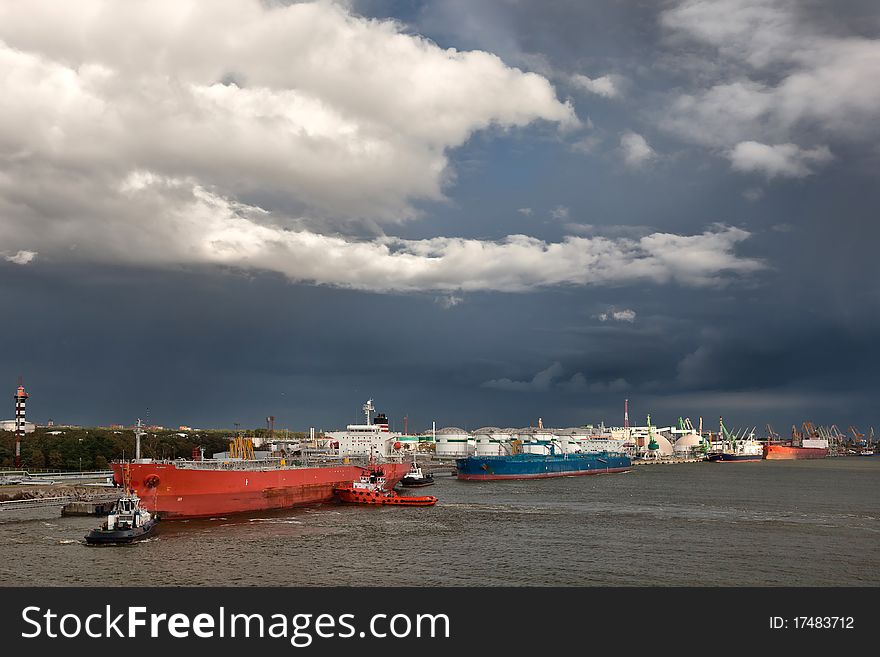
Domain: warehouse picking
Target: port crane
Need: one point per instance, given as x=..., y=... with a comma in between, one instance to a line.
x=858, y=438
x=241, y=448
x=686, y=425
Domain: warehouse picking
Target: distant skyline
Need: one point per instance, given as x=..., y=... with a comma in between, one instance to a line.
x=475, y=212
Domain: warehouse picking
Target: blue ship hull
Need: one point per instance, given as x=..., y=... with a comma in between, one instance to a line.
x=536, y=466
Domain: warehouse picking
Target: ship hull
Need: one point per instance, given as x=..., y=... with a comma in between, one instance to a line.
x=120, y=536
x=785, y=452
x=388, y=498
x=734, y=458
x=194, y=493
x=533, y=466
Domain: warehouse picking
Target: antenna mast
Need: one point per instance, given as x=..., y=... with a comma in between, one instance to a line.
x=368, y=408
x=138, y=432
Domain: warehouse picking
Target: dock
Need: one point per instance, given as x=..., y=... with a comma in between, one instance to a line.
x=13, y=477
x=666, y=461
x=88, y=508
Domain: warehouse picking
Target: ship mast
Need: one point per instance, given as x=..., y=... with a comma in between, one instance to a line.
x=138, y=432
x=368, y=408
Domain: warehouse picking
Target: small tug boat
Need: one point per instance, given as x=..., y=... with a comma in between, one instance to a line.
x=127, y=523
x=370, y=489
x=415, y=478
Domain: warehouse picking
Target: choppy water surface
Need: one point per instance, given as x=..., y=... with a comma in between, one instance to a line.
x=802, y=523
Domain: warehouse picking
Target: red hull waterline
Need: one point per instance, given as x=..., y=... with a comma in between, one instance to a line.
x=540, y=475
x=194, y=493
x=360, y=496
x=784, y=452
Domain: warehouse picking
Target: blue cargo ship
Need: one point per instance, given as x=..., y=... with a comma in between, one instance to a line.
x=539, y=466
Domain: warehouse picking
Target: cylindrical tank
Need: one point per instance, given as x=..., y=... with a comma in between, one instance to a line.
x=540, y=442
x=491, y=441
x=452, y=442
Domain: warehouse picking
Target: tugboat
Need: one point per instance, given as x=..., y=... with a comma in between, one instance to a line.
x=415, y=478
x=128, y=523
x=370, y=489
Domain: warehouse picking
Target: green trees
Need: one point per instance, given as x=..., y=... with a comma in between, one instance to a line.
x=93, y=448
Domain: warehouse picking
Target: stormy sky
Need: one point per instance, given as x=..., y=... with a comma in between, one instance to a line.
x=478, y=212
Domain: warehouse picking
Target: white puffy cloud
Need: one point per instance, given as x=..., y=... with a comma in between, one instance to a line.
x=560, y=212
x=152, y=220
x=246, y=134
x=625, y=315
x=607, y=86
x=781, y=81
x=786, y=160
x=333, y=112
x=22, y=257
x=635, y=150
x=448, y=301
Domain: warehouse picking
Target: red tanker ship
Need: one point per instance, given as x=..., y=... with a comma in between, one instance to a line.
x=194, y=489
x=238, y=483
x=816, y=448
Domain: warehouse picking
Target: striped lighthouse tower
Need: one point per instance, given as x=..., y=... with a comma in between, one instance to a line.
x=20, y=399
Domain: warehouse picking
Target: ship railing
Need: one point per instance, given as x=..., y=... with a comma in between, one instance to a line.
x=262, y=464
x=305, y=459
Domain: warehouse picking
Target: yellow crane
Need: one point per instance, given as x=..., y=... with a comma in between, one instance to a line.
x=241, y=448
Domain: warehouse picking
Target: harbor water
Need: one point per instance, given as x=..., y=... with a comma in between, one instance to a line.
x=798, y=523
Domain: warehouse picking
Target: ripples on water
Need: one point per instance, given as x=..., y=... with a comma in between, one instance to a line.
x=764, y=523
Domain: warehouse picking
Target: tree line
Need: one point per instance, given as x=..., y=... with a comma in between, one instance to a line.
x=94, y=448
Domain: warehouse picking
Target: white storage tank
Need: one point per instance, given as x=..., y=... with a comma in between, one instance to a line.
x=491, y=441
x=453, y=442
x=540, y=442
x=570, y=440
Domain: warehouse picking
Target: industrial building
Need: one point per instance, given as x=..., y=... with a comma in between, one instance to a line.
x=9, y=425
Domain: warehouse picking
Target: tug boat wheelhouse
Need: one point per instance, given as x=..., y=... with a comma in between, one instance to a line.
x=127, y=523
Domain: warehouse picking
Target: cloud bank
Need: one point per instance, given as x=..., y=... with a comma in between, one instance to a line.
x=159, y=221
x=553, y=378
x=157, y=149
x=346, y=116
x=783, y=88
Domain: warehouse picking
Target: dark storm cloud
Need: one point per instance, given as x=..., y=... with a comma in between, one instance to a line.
x=793, y=340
